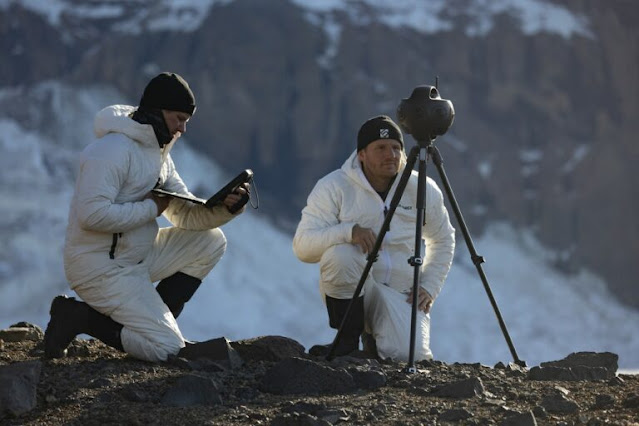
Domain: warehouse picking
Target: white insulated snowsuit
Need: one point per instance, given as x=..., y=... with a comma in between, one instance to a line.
x=344, y=198
x=114, y=249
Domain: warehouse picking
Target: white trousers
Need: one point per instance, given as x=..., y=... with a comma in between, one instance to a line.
x=128, y=295
x=387, y=315
x=341, y=268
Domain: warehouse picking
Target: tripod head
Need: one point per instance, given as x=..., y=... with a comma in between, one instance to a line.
x=425, y=115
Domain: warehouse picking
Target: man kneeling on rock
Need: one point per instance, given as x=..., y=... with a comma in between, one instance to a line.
x=338, y=230
x=114, y=250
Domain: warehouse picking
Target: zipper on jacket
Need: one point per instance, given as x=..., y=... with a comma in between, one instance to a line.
x=114, y=244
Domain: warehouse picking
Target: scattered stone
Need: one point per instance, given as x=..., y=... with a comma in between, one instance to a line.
x=1, y=345
x=247, y=394
x=455, y=415
x=18, y=385
x=463, y=389
x=333, y=416
x=303, y=407
x=100, y=382
x=192, y=390
x=297, y=419
x=78, y=348
x=500, y=366
x=516, y=369
x=268, y=348
x=507, y=411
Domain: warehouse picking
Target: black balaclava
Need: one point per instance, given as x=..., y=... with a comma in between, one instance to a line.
x=165, y=91
x=154, y=117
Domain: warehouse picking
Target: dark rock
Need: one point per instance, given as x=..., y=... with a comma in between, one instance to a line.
x=368, y=379
x=455, y=415
x=135, y=395
x=559, y=404
x=300, y=376
x=18, y=384
x=246, y=394
x=540, y=412
x=200, y=364
x=463, y=389
x=604, y=401
x=574, y=373
x=192, y=390
x=100, y=382
x=632, y=401
x=36, y=332
x=616, y=381
x=607, y=360
x=18, y=334
x=218, y=349
x=520, y=419
x=303, y=407
x=268, y=348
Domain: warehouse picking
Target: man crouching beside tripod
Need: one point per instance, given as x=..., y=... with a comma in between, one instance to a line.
x=339, y=228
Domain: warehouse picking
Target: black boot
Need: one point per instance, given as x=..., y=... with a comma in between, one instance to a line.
x=349, y=339
x=176, y=290
x=70, y=318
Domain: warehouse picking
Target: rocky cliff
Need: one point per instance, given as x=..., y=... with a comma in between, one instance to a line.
x=544, y=135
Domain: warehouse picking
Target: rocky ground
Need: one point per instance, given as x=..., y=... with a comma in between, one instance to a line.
x=271, y=381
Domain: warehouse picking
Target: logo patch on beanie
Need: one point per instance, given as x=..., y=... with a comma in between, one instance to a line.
x=383, y=133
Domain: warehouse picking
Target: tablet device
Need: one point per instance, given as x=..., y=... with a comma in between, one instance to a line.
x=244, y=177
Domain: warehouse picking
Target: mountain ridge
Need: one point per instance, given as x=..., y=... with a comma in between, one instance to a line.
x=543, y=138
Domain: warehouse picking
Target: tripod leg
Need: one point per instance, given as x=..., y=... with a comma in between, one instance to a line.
x=417, y=260
x=477, y=260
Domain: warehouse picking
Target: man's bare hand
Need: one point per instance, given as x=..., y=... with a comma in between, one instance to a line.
x=364, y=238
x=424, y=301
x=161, y=202
x=235, y=196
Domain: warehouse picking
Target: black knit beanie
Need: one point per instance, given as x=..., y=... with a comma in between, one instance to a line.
x=380, y=127
x=168, y=91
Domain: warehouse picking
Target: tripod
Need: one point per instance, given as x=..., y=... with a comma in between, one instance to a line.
x=423, y=149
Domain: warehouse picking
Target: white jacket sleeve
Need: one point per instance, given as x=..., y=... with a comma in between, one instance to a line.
x=320, y=227
x=187, y=215
x=439, y=235
x=98, y=184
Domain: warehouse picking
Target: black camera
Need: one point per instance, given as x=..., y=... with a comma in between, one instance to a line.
x=425, y=115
